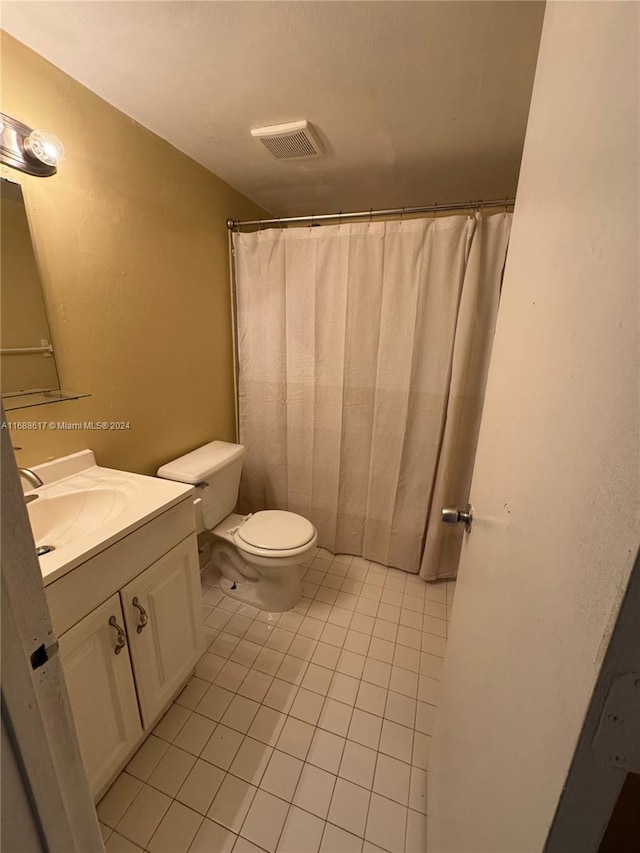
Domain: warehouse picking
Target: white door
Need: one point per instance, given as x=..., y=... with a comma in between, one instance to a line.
x=556, y=481
x=97, y=670
x=163, y=614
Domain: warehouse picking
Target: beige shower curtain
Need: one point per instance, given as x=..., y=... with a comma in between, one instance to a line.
x=363, y=351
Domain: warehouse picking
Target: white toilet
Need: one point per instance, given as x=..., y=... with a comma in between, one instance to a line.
x=258, y=555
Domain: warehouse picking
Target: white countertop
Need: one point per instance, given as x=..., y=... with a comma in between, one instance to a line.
x=127, y=501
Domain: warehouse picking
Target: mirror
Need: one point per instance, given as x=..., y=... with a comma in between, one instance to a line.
x=28, y=372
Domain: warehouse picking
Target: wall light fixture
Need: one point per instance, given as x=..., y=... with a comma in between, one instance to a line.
x=36, y=152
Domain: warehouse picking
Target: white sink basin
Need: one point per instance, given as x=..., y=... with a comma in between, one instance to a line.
x=58, y=519
x=82, y=509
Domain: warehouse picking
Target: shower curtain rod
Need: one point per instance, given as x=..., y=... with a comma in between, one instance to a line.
x=233, y=224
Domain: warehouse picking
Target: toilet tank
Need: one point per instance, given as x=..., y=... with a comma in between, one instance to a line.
x=216, y=467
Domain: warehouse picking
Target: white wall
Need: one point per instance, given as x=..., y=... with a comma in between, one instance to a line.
x=557, y=478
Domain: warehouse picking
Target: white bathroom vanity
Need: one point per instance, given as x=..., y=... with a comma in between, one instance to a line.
x=123, y=587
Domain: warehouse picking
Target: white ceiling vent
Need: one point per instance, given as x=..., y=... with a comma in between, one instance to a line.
x=288, y=141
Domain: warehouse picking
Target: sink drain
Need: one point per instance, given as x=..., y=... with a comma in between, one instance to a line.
x=44, y=549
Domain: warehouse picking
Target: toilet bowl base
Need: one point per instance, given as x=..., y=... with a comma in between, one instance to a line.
x=262, y=596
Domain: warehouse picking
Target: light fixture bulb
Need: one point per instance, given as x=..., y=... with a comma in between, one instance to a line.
x=45, y=147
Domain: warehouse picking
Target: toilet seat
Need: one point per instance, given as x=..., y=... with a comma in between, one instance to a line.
x=274, y=533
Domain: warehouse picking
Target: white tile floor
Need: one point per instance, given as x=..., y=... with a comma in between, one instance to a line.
x=300, y=732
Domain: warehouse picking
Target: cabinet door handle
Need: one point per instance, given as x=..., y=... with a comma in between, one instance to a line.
x=122, y=640
x=143, y=615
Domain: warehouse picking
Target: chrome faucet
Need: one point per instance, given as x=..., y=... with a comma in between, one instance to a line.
x=34, y=481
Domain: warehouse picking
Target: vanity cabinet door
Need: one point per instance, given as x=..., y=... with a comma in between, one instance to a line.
x=163, y=614
x=97, y=669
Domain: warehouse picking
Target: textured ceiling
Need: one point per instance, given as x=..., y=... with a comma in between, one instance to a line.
x=415, y=102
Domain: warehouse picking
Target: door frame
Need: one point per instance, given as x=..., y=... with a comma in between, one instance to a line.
x=35, y=703
x=607, y=749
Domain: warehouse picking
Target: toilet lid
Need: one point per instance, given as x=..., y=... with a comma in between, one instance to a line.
x=275, y=530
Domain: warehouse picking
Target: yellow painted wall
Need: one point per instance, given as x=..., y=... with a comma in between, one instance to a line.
x=133, y=248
